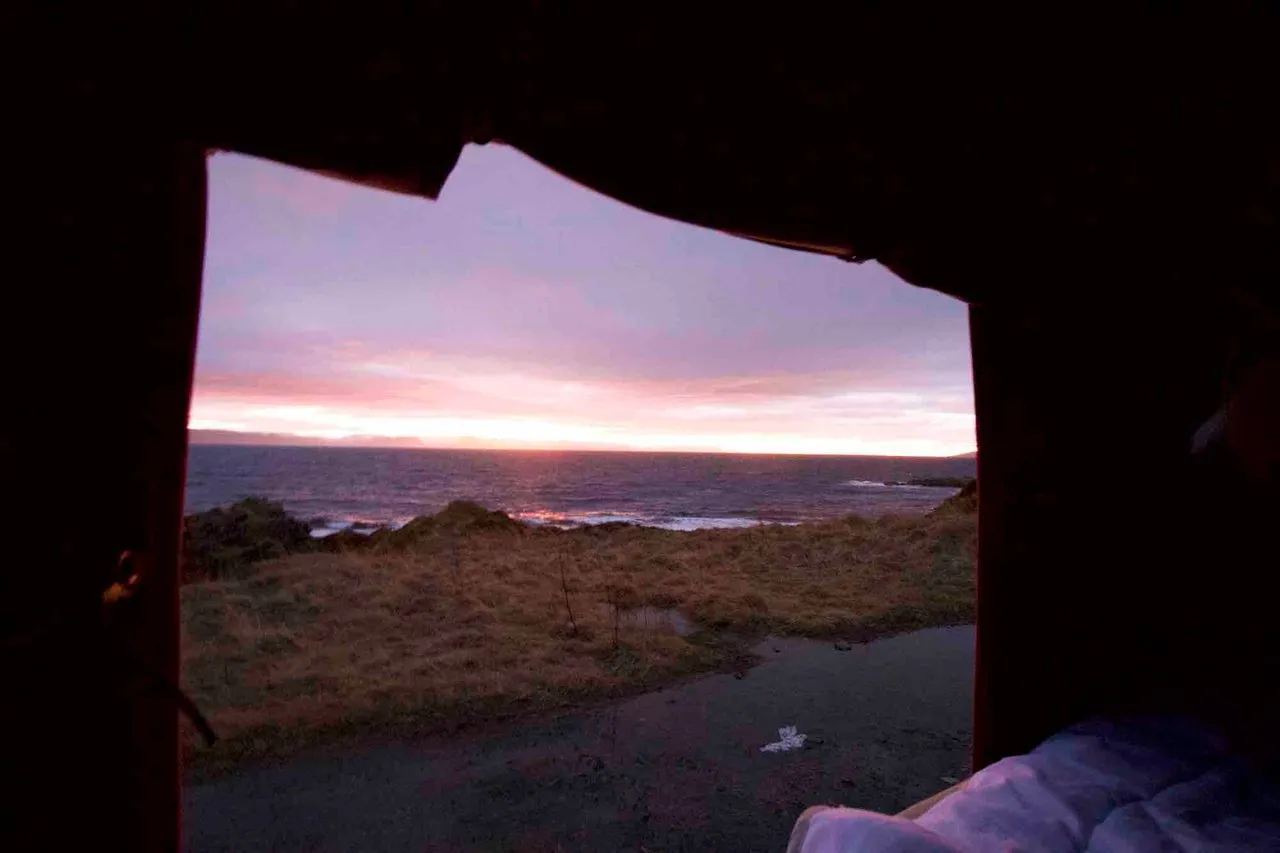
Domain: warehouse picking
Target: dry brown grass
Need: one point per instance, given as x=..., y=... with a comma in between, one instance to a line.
x=448, y=625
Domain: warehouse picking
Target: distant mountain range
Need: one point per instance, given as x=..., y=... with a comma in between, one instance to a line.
x=224, y=436
x=973, y=454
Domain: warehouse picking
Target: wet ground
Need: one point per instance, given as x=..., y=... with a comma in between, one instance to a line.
x=888, y=723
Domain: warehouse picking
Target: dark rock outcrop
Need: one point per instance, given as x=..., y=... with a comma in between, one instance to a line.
x=459, y=517
x=963, y=501
x=222, y=542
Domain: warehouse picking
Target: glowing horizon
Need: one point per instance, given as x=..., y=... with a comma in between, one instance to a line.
x=888, y=423
x=523, y=312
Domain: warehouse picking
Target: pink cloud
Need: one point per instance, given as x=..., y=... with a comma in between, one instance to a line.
x=453, y=404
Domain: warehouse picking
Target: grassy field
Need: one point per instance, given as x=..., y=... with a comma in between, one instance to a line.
x=467, y=615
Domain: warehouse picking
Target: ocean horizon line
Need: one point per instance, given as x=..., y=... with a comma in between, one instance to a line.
x=274, y=440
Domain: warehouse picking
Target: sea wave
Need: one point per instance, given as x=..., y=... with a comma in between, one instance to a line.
x=323, y=527
x=694, y=523
x=547, y=518
x=874, y=484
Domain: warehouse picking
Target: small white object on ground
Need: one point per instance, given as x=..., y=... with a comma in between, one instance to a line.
x=790, y=739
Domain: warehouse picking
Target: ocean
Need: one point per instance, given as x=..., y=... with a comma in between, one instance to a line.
x=334, y=488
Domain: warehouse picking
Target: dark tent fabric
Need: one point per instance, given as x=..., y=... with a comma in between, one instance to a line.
x=984, y=155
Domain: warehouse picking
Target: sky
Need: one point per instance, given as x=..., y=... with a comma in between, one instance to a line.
x=522, y=310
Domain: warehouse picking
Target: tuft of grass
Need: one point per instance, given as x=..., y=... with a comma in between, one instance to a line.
x=460, y=619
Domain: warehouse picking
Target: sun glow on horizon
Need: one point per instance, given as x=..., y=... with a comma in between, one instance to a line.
x=318, y=423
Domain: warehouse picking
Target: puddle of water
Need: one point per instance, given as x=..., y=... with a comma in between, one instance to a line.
x=647, y=618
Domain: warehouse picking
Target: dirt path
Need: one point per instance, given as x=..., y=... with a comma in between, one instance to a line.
x=680, y=769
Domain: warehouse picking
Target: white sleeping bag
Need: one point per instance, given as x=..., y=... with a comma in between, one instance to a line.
x=1101, y=786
